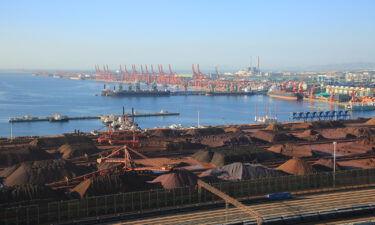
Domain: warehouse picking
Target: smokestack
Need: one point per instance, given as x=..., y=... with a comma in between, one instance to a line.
x=258, y=63
x=251, y=62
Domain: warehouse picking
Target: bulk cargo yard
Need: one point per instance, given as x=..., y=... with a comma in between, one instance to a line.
x=157, y=112
x=233, y=174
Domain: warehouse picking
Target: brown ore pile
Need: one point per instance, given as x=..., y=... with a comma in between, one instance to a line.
x=296, y=166
x=274, y=127
x=12, y=156
x=272, y=136
x=204, y=131
x=317, y=125
x=370, y=121
x=368, y=140
x=226, y=155
x=325, y=165
x=176, y=178
x=310, y=135
x=99, y=185
x=111, y=184
x=291, y=150
x=41, y=172
x=223, y=139
x=68, y=151
x=28, y=192
x=169, y=133
x=57, y=141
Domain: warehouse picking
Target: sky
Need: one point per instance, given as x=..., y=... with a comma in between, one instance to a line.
x=77, y=34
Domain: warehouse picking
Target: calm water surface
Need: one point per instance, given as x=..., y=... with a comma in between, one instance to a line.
x=21, y=93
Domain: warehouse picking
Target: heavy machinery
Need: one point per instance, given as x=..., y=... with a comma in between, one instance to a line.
x=128, y=163
x=120, y=161
x=121, y=137
x=121, y=131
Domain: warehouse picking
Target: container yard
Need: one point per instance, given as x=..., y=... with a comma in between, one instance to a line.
x=71, y=177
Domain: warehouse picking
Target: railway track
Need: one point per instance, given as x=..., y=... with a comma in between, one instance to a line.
x=300, y=204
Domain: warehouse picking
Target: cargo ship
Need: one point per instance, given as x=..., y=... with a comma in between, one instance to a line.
x=140, y=93
x=228, y=93
x=286, y=95
x=119, y=92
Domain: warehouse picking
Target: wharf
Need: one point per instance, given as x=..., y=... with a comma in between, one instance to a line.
x=215, y=93
x=326, y=101
x=177, y=93
x=67, y=118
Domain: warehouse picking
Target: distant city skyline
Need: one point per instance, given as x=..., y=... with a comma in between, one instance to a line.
x=287, y=34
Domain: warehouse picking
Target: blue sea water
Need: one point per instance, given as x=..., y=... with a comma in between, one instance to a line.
x=22, y=93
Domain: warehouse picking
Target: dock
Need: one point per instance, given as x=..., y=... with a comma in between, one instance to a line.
x=179, y=93
x=215, y=93
x=327, y=101
x=67, y=118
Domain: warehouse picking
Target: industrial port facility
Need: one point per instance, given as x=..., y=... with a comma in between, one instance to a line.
x=333, y=88
x=271, y=172
x=187, y=112
x=289, y=172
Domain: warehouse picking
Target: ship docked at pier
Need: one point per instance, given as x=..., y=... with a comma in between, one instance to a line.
x=229, y=93
x=293, y=96
x=286, y=93
x=118, y=91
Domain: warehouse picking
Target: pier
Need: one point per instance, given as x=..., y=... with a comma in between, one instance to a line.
x=215, y=93
x=326, y=101
x=320, y=115
x=67, y=118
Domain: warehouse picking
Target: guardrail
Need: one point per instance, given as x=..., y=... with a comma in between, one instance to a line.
x=138, y=202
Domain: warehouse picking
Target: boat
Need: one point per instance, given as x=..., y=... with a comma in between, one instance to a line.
x=286, y=95
x=228, y=93
x=27, y=117
x=57, y=117
x=140, y=93
x=266, y=119
x=119, y=92
x=361, y=106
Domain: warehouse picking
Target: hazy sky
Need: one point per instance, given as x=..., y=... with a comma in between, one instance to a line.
x=79, y=34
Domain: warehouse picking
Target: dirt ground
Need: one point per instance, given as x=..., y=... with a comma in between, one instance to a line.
x=195, y=150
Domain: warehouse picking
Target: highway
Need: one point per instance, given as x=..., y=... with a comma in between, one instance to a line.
x=300, y=204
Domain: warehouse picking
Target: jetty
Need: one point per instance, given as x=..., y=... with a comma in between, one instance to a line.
x=67, y=118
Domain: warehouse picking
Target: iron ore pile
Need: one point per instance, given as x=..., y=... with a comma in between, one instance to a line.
x=69, y=166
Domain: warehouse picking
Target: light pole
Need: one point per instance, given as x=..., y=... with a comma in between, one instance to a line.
x=198, y=120
x=11, y=130
x=334, y=163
